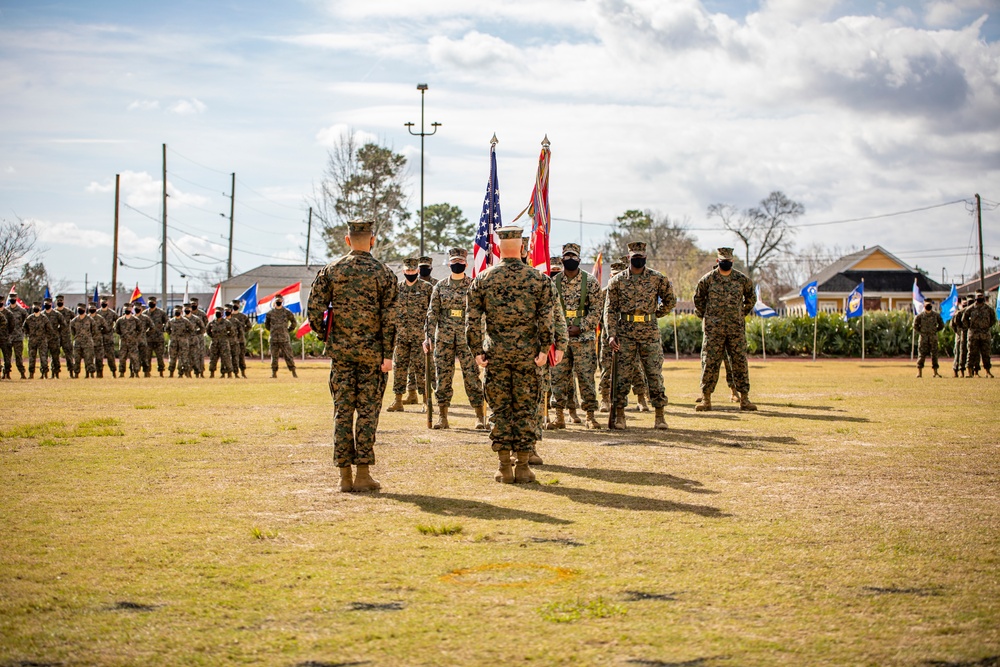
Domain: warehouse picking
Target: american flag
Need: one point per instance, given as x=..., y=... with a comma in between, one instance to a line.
x=487, y=248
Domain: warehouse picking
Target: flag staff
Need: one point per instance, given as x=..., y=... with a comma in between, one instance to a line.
x=763, y=347
x=815, y=329
x=677, y=350
x=862, y=319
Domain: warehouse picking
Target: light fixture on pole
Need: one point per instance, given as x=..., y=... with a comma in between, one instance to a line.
x=422, y=87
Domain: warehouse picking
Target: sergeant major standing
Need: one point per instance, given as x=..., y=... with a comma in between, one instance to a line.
x=411, y=311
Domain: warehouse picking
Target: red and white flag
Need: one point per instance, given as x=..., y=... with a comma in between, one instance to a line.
x=538, y=209
x=213, y=305
x=13, y=290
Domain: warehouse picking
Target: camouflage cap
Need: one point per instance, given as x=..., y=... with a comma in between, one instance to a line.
x=228, y=308
x=623, y=259
x=425, y=260
x=12, y=293
x=60, y=296
x=81, y=305
x=725, y=253
x=152, y=299
x=618, y=266
x=138, y=304
x=980, y=294
x=104, y=296
x=194, y=300
x=410, y=263
x=571, y=249
x=360, y=227
x=637, y=248
x=36, y=303
x=510, y=232
x=555, y=262
x=458, y=253
x=47, y=299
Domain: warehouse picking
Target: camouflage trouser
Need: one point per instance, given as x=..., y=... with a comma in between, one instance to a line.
x=155, y=346
x=979, y=351
x=144, y=360
x=197, y=349
x=282, y=348
x=234, y=356
x=580, y=361
x=512, y=391
x=650, y=361
x=7, y=352
x=220, y=353
x=627, y=368
x=355, y=388
x=445, y=352
x=714, y=348
x=54, y=354
x=928, y=346
x=961, y=350
x=180, y=355
x=38, y=349
x=17, y=349
x=241, y=352
x=83, y=352
x=66, y=343
x=104, y=348
x=129, y=350
x=408, y=365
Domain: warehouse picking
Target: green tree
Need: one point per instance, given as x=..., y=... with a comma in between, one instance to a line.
x=763, y=231
x=445, y=226
x=32, y=281
x=17, y=245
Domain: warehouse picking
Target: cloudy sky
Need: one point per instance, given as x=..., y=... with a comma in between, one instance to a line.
x=855, y=109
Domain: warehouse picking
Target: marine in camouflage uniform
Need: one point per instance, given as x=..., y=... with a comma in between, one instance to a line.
x=280, y=322
x=927, y=324
x=360, y=294
x=181, y=330
x=18, y=315
x=236, y=333
x=220, y=330
x=517, y=304
x=65, y=341
x=198, y=348
x=145, y=329
x=638, y=297
x=128, y=329
x=38, y=327
x=245, y=325
x=445, y=326
x=722, y=299
x=85, y=329
x=58, y=326
x=961, y=330
x=425, y=266
x=629, y=368
x=581, y=300
x=411, y=310
x=980, y=318
x=105, y=347
x=6, y=328
x=154, y=338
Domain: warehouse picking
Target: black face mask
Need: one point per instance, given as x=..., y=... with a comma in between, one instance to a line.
x=457, y=268
x=35, y=309
x=637, y=262
x=59, y=304
x=425, y=272
x=983, y=300
x=410, y=277
x=80, y=311
x=571, y=264
x=218, y=316
x=277, y=304
x=187, y=311
x=92, y=311
x=725, y=264
x=48, y=306
x=104, y=304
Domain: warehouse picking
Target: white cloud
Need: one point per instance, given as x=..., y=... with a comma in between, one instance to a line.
x=69, y=233
x=328, y=137
x=187, y=107
x=139, y=189
x=475, y=51
x=143, y=105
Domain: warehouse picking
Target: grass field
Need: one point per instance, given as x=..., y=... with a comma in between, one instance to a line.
x=853, y=520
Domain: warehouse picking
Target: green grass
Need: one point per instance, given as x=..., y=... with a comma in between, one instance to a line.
x=446, y=529
x=851, y=521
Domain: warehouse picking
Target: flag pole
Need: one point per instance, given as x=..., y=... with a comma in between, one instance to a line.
x=913, y=336
x=862, y=319
x=763, y=347
x=815, y=329
x=677, y=351
x=261, y=332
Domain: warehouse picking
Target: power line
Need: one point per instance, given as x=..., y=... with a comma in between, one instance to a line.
x=278, y=203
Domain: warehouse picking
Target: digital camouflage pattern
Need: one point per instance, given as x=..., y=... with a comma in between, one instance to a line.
x=722, y=303
x=517, y=303
x=84, y=329
x=59, y=326
x=634, y=303
x=927, y=324
x=980, y=318
x=244, y=323
x=155, y=344
x=38, y=327
x=961, y=349
x=181, y=331
x=65, y=340
x=361, y=293
x=580, y=360
x=280, y=322
x=220, y=330
x=17, y=316
x=445, y=326
x=129, y=329
x=142, y=341
x=104, y=349
x=411, y=311
x=6, y=327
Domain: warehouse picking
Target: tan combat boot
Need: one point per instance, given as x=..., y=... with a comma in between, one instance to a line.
x=745, y=403
x=643, y=406
x=442, y=421
x=658, y=421
x=363, y=481
x=211, y=374
x=605, y=403
x=480, y=418
x=592, y=423
x=936, y=374
x=620, y=419
x=705, y=404
x=533, y=457
x=294, y=374
x=505, y=474
x=522, y=471
x=397, y=405
x=575, y=418
x=560, y=421
x=274, y=373
x=989, y=373
x=346, y=483
x=411, y=398
x=920, y=372
x=734, y=396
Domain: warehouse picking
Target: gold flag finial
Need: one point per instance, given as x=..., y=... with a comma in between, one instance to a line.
x=545, y=142
x=494, y=141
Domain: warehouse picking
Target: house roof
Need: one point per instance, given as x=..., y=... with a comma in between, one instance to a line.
x=992, y=281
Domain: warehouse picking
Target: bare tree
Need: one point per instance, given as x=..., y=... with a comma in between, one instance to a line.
x=17, y=246
x=764, y=230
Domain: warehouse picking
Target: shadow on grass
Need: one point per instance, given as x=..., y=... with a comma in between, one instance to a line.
x=622, y=501
x=630, y=477
x=474, y=509
x=322, y=663
x=796, y=406
x=799, y=415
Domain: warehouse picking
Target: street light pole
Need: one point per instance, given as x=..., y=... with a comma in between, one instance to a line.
x=422, y=87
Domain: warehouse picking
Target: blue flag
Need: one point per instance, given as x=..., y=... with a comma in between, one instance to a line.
x=97, y=297
x=856, y=302
x=809, y=294
x=918, y=299
x=249, y=299
x=48, y=295
x=950, y=305
x=761, y=309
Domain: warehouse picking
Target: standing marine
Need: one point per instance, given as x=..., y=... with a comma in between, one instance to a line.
x=65, y=341
x=154, y=339
x=38, y=326
x=18, y=315
x=105, y=347
x=244, y=324
x=128, y=329
x=6, y=327
x=927, y=324
x=408, y=359
x=84, y=328
x=280, y=322
x=180, y=330
x=220, y=331
x=980, y=318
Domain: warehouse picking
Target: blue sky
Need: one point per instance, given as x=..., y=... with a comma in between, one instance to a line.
x=852, y=108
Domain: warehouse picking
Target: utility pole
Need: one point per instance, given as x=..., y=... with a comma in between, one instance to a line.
x=309, y=230
x=232, y=206
x=422, y=87
x=163, y=256
x=114, y=252
x=979, y=223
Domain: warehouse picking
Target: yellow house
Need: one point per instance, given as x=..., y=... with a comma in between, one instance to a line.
x=888, y=283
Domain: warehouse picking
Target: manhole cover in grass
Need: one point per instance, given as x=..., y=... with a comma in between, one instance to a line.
x=508, y=575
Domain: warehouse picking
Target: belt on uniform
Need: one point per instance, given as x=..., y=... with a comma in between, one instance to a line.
x=457, y=313
x=571, y=313
x=637, y=317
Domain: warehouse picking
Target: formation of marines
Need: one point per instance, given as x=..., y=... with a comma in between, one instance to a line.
x=971, y=324
x=86, y=339
x=534, y=336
